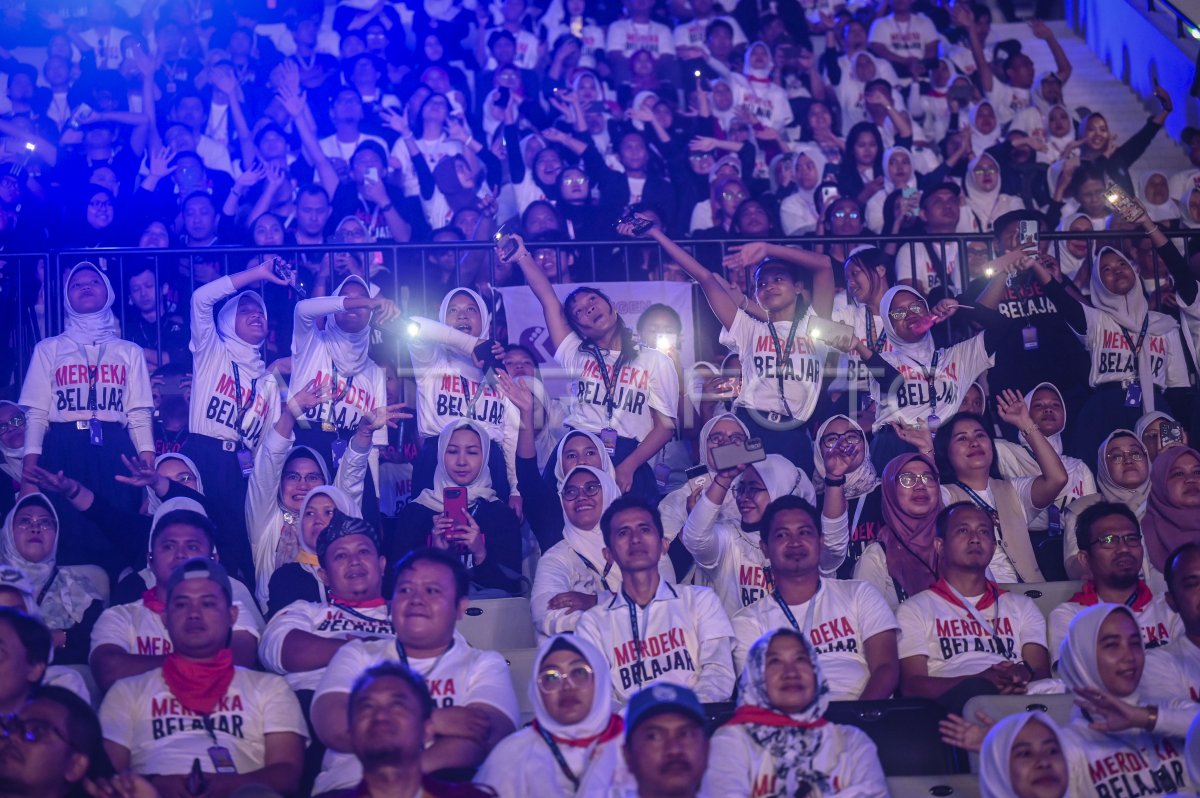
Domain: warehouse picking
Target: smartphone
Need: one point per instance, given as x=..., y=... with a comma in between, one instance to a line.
x=1027, y=234
x=665, y=342
x=1117, y=198
x=502, y=96
x=828, y=195
x=1169, y=434
x=82, y=112
x=640, y=225
x=483, y=353
x=195, y=781
x=286, y=272
x=372, y=174
x=908, y=193
x=733, y=454
x=454, y=502
x=820, y=329
x=697, y=478
x=506, y=243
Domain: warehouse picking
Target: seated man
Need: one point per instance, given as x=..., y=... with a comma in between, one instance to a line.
x=301, y=640
x=391, y=717
x=476, y=705
x=965, y=636
x=242, y=726
x=651, y=630
x=1110, y=549
x=1173, y=670
x=49, y=746
x=849, y=622
x=666, y=747
x=130, y=639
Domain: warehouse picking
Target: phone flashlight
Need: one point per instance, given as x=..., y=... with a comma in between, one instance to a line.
x=30, y=146
x=413, y=329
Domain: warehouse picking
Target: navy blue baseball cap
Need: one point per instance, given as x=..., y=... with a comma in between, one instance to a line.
x=659, y=698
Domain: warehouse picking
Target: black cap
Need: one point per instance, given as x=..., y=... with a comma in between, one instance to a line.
x=340, y=526
x=201, y=568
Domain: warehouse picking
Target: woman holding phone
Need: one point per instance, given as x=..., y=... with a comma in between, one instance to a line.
x=776, y=401
x=627, y=396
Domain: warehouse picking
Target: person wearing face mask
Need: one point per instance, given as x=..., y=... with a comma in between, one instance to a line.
x=1023, y=756
x=847, y=483
x=728, y=551
x=778, y=742
x=903, y=560
x=573, y=746
x=87, y=402
x=487, y=537
x=129, y=639
x=452, y=384
x=66, y=598
x=574, y=574
x=1136, y=353
x=234, y=399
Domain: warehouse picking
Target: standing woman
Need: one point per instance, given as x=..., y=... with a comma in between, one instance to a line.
x=966, y=459
x=338, y=357
x=903, y=559
x=866, y=271
x=779, y=735
x=628, y=396
x=87, y=401
x=234, y=400
x=776, y=401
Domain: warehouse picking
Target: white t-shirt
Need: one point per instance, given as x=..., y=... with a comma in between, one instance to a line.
x=1012, y=459
x=335, y=148
x=1113, y=359
x=956, y=644
x=627, y=37
x=927, y=274
x=1172, y=671
x=851, y=369
x=136, y=629
x=802, y=372
x=648, y=382
x=163, y=738
x=685, y=638
x=461, y=676
x=846, y=614
x=908, y=400
x=1104, y=765
x=694, y=33
x=1008, y=100
x=907, y=39
x=523, y=766
x=526, y=56
x=1158, y=623
x=768, y=102
x=323, y=620
x=217, y=389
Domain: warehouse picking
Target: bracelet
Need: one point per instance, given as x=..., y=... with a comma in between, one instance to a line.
x=1151, y=717
x=835, y=482
x=1029, y=668
x=718, y=483
x=386, y=208
x=75, y=493
x=1030, y=431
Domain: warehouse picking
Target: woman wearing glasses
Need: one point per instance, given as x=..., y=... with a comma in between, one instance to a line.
x=902, y=561
x=1123, y=476
x=574, y=745
x=486, y=537
x=68, y=601
x=851, y=511
x=723, y=429
x=984, y=202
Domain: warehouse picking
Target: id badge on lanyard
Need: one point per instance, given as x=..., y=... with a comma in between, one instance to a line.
x=94, y=426
x=608, y=435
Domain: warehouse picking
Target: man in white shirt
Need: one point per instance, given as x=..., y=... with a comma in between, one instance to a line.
x=1110, y=549
x=243, y=727
x=964, y=636
x=928, y=265
x=638, y=32
x=905, y=39
x=1173, y=671
x=653, y=631
x=848, y=622
x=346, y=111
x=476, y=703
x=691, y=37
x=666, y=747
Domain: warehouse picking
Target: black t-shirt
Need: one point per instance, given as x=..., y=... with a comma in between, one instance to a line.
x=866, y=523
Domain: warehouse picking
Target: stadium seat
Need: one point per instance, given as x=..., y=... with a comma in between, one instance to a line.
x=905, y=731
x=499, y=624
x=962, y=786
x=1057, y=707
x=521, y=664
x=1046, y=595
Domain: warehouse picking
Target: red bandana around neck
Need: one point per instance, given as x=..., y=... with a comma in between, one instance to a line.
x=943, y=589
x=761, y=716
x=153, y=603
x=614, y=729
x=1089, y=598
x=199, y=686
x=364, y=604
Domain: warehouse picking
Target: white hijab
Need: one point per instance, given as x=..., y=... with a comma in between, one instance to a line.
x=1069, y=263
x=995, y=774
x=982, y=203
x=859, y=482
x=606, y=463
x=13, y=458
x=1055, y=439
x=479, y=489
x=589, y=542
x=781, y=478
x=1077, y=662
x=708, y=428
x=1133, y=498
x=1185, y=215
x=485, y=318
x=1158, y=211
x=920, y=351
x=349, y=351
x=601, y=711
x=888, y=185
x=980, y=141
x=247, y=355
x=90, y=328
x=152, y=500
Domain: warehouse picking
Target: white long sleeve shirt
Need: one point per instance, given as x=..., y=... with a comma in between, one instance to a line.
x=57, y=385
x=1172, y=671
x=684, y=637
x=217, y=389
x=322, y=620
x=845, y=615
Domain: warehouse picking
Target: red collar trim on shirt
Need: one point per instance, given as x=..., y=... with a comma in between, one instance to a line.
x=760, y=716
x=614, y=729
x=199, y=686
x=1088, y=597
x=364, y=604
x=152, y=602
x=989, y=596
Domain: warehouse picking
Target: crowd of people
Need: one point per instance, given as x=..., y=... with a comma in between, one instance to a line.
x=261, y=455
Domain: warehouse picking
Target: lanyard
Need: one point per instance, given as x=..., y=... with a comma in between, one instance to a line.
x=237, y=401
x=93, y=373
x=357, y=614
x=930, y=375
x=334, y=396
x=210, y=728
x=808, y=615
x=783, y=355
x=609, y=379
x=49, y=583
x=596, y=571
x=637, y=638
x=996, y=527
x=466, y=386
x=974, y=612
x=559, y=758
x=877, y=345
x=402, y=655
x=1137, y=349
x=862, y=500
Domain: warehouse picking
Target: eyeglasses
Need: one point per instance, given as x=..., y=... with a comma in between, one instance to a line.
x=183, y=479
x=747, y=489
x=98, y=204
x=41, y=524
x=909, y=479
x=14, y=423
x=1122, y=455
x=575, y=181
x=915, y=309
x=1112, y=541
x=721, y=439
x=733, y=195
x=852, y=215
x=552, y=680
x=986, y=170
x=851, y=437
x=293, y=477
x=572, y=492
x=699, y=156
x=32, y=730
